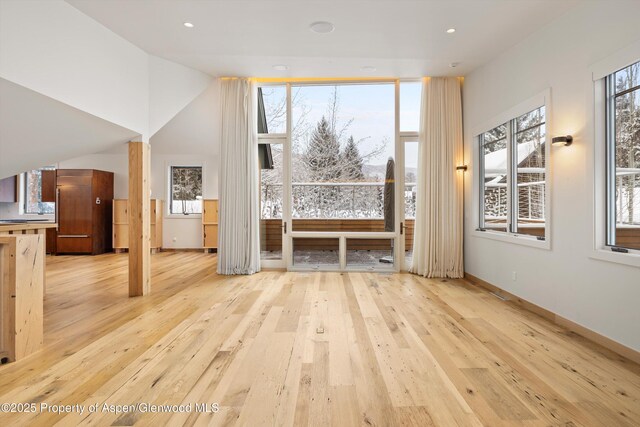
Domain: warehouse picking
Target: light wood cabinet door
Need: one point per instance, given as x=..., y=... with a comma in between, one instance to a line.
x=210, y=211
x=120, y=211
x=120, y=236
x=210, y=236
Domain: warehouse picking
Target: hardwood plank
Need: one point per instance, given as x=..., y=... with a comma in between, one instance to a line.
x=396, y=350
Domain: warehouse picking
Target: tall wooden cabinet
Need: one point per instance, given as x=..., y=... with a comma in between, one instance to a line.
x=209, y=224
x=83, y=200
x=121, y=224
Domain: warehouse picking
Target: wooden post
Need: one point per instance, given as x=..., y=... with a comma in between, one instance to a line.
x=139, y=219
x=21, y=293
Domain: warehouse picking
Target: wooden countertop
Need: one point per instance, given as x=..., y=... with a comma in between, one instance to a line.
x=21, y=226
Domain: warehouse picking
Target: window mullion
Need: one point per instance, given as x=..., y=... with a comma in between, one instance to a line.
x=481, y=181
x=512, y=168
x=610, y=156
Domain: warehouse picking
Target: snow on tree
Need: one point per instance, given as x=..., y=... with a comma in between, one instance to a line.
x=186, y=189
x=352, y=161
x=322, y=154
x=627, y=149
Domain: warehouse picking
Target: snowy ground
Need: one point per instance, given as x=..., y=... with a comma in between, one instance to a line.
x=368, y=258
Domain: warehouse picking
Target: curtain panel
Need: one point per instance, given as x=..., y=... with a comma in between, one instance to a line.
x=438, y=238
x=239, y=229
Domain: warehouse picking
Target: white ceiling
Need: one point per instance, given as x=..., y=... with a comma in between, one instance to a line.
x=400, y=38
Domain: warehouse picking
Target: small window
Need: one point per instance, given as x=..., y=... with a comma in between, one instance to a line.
x=493, y=178
x=623, y=158
x=513, y=176
x=32, y=193
x=186, y=190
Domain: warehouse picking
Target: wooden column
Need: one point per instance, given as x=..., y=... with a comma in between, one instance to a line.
x=139, y=219
x=21, y=294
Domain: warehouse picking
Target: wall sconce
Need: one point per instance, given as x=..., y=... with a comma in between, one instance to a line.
x=461, y=168
x=562, y=140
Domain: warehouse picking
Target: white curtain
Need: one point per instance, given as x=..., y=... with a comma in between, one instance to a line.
x=239, y=221
x=438, y=238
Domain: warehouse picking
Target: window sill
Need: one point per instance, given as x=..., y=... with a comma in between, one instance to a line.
x=517, y=239
x=181, y=216
x=632, y=258
x=36, y=216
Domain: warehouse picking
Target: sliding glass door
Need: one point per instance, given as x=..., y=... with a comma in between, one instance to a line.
x=333, y=196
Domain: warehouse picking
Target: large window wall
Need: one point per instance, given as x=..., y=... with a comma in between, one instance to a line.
x=329, y=164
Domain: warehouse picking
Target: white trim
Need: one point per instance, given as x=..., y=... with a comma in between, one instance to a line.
x=398, y=149
x=272, y=138
x=632, y=258
x=516, y=239
x=596, y=165
x=596, y=101
x=346, y=234
x=407, y=136
x=272, y=263
x=615, y=62
x=536, y=101
x=541, y=99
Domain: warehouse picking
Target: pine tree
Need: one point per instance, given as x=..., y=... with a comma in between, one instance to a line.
x=323, y=153
x=352, y=162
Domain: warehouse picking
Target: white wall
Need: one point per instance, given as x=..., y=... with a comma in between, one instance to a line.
x=194, y=130
x=190, y=138
x=599, y=295
x=49, y=48
x=54, y=49
x=171, y=88
x=186, y=230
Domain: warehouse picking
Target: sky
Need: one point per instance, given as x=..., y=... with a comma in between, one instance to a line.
x=371, y=106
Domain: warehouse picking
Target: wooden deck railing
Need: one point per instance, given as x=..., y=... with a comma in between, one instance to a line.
x=271, y=234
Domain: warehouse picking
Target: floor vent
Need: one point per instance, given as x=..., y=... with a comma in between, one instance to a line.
x=498, y=296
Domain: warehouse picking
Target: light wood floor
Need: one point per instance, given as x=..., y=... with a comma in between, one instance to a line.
x=396, y=350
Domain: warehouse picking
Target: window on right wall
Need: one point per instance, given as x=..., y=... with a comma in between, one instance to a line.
x=623, y=158
x=513, y=185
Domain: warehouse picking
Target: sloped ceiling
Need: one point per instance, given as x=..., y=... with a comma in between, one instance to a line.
x=36, y=131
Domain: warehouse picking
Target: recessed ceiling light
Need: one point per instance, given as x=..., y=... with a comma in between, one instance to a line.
x=322, y=27
x=454, y=64
x=188, y=25
x=451, y=30
x=368, y=68
x=281, y=67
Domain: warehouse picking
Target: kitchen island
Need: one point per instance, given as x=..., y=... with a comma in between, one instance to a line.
x=22, y=285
